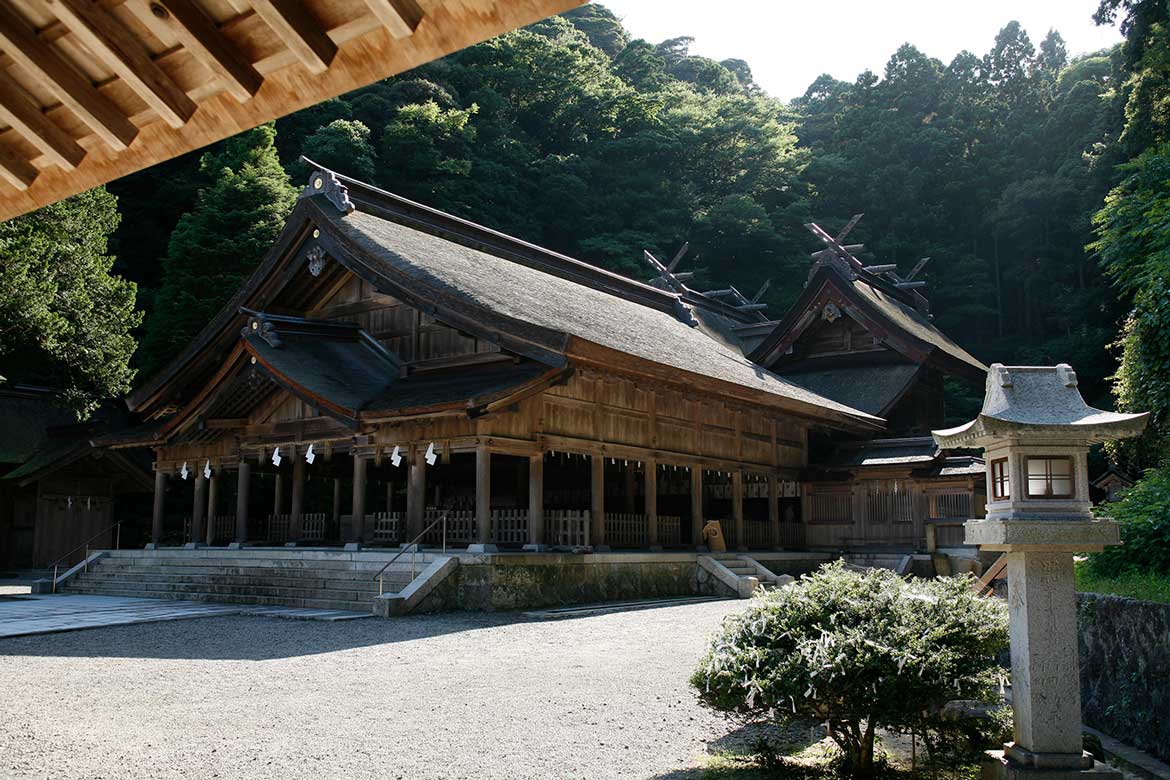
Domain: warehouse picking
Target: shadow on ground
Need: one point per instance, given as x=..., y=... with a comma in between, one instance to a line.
x=247, y=637
x=733, y=756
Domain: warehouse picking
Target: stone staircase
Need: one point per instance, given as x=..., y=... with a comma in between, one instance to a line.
x=316, y=579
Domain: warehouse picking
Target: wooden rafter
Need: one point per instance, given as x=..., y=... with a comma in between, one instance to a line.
x=21, y=43
x=401, y=17
x=200, y=35
x=24, y=116
x=294, y=24
x=91, y=90
x=125, y=55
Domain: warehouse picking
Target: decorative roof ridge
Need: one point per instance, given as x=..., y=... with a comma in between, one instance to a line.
x=348, y=194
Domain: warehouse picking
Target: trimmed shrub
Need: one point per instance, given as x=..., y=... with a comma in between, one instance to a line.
x=858, y=651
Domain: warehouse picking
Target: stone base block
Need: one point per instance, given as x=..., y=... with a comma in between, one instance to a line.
x=150, y=546
x=482, y=548
x=40, y=587
x=535, y=548
x=193, y=545
x=1042, y=535
x=996, y=766
x=236, y=546
x=352, y=546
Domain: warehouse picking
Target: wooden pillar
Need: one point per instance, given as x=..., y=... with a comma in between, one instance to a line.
x=651, y=489
x=631, y=488
x=357, y=528
x=156, y=521
x=336, y=516
x=278, y=495
x=212, y=504
x=597, y=512
x=696, y=504
x=297, y=505
x=199, y=509
x=774, y=510
x=416, y=495
x=536, y=499
x=483, y=494
x=243, y=486
x=741, y=541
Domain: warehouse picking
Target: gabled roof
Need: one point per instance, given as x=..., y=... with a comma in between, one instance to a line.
x=41, y=436
x=341, y=367
x=534, y=303
x=884, y=311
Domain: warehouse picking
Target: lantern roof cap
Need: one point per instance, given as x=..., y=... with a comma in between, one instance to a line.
x=1043, y=401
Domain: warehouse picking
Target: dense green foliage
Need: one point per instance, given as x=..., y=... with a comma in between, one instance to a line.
x=858, y=651
x=1144, y=514
x=67, y=320
x=1134, y=246
x=216, y=246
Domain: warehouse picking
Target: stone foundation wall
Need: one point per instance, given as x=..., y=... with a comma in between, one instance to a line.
x=1125, y=670
x=516, y=584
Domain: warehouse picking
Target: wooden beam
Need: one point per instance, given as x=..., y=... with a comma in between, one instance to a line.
x=300, y=32
x=24, y=116
x=16, y=170
x=597, y=502
x=200, y=35
x=401, y=17
x=75, y=91
x=125, y=55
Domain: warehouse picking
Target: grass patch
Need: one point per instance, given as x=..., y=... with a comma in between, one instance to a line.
x=1146, y=586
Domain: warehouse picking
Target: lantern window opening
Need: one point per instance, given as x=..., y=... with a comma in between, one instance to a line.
x=1049, y=476
x=1001, y=484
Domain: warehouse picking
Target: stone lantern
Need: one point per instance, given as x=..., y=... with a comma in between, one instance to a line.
x=1035, y=430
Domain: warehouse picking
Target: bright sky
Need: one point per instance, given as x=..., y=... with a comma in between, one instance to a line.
x=788, y=43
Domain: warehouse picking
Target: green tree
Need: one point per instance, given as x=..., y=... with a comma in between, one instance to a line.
x=67, y=318
x=1134, y=248
x=219, y=243
x=343, y=145
x=858, y=651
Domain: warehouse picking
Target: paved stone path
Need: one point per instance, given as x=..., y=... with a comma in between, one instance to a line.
x=23, y=614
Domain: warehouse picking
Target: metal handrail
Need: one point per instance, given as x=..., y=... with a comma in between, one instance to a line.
x=412, y=547
x=85, y=544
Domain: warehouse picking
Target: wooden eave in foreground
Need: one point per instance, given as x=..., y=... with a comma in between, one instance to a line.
x=92, y=90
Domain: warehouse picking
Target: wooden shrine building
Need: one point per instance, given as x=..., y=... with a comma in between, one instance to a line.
x=389, y=364
x=863, y=336
x=57, y=491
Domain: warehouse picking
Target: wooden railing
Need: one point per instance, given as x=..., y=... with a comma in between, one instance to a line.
x=313, y=526
x=386, y=526
x=277, y=528
x=625, y=530
x=759, y=533
x=566, y=528
x=669, y=530
x=223, y=528
x=461, y=526
x=509, y=526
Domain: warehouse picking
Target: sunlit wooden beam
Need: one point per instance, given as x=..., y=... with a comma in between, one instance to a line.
x=299, y=31
x=200, y=35
x=401, y=17
x=24, y=116
x=16, y=170
x=21, y=44
x=124, y=54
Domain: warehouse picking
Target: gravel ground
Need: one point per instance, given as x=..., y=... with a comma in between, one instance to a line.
x=439, y=696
